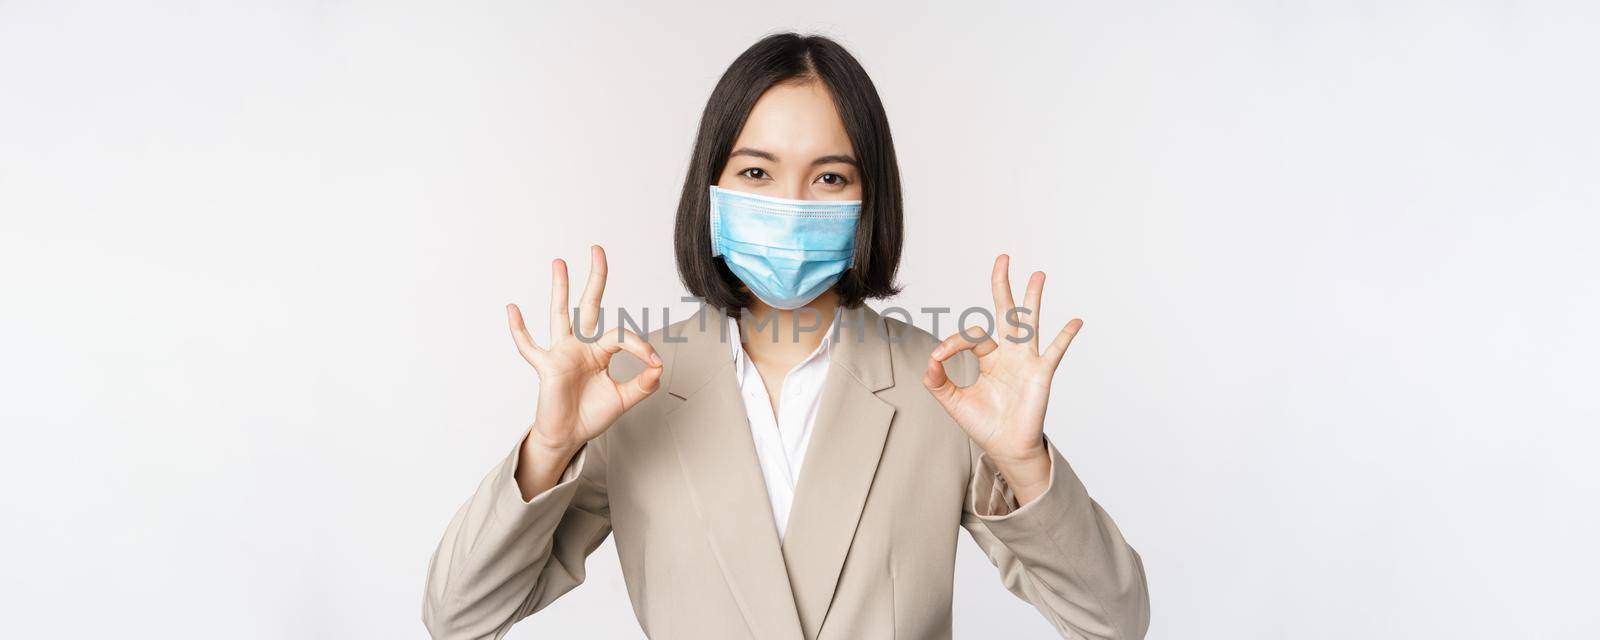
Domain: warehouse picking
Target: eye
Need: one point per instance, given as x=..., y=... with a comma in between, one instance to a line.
x=754, y=173
x=833, y=180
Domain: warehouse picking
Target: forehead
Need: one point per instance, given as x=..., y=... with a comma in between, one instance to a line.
x=795, y=119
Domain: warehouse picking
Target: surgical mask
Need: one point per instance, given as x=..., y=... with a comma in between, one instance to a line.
x=786, y=251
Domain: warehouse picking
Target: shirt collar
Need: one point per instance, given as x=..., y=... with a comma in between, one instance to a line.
x=823, y=349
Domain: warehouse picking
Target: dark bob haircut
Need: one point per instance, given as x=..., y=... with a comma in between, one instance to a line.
x=777, y=59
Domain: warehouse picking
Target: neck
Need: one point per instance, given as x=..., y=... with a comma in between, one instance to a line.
x=786, y=335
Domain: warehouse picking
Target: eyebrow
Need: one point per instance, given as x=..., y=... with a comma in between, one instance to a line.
x=764, y=155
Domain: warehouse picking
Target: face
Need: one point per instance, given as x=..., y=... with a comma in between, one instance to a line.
x=794, y=146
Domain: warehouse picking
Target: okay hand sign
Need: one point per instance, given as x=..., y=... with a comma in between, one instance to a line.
x=1003, y=411
x=578, y=399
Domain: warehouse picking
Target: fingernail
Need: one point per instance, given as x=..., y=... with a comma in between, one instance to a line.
x=655, y=359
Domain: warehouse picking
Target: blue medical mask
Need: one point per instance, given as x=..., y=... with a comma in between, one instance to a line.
x=786, y=251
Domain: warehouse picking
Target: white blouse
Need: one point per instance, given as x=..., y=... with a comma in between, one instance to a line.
x=781, y=440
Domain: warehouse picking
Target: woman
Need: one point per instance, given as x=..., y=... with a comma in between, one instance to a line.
x=769, y=467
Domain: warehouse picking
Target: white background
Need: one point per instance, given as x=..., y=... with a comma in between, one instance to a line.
x=1336, y=262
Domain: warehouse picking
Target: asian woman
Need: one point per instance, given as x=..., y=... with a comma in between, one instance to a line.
x=787, y=463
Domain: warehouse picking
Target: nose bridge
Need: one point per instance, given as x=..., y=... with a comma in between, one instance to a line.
x=794, y=186
x=795, y=189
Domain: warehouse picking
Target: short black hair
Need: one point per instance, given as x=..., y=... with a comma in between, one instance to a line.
x=776, y=59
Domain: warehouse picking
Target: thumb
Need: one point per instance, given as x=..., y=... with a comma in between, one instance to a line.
x=938, y=383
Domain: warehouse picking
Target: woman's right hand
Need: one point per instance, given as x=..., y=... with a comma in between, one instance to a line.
x=578, y=400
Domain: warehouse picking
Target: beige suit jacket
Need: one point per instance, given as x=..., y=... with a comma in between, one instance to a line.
x=870, y=548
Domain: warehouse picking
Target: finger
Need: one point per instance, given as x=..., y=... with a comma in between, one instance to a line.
x=631, y=343
x=559, y=324
x=1030, y=301
x=645, y=383
x=939, y=384
x=640, y=387
x=1058, y=346
x=935, y=377
x=519, y=334
x=589, y=304
x=1000, y=284
x=973, y=338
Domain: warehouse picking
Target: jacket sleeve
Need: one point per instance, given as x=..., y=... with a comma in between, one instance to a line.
x=503, y=559
x=1060, y=552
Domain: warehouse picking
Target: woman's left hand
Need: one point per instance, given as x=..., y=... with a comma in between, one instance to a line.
x=1003, y=411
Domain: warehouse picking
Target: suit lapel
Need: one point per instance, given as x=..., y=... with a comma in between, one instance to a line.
x=714, y=445
x=840, y=462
